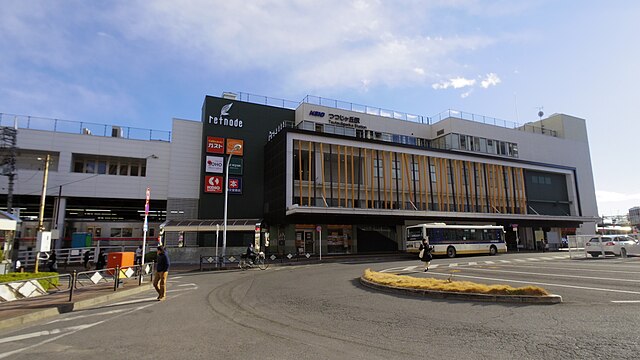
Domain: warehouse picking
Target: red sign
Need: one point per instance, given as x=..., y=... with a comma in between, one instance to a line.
x=213, y=184
x=146, y=204
x=215, y=145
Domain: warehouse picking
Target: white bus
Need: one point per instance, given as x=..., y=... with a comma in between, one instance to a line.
x=457, y=239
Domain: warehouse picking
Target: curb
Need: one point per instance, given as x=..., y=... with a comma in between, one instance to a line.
x=521, y=299
x=70, y=307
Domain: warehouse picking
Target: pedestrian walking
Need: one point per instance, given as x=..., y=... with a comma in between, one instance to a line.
x=53, y=262
x=86, y=257
x=425, y=254
x=101, y=262
x=162, y=270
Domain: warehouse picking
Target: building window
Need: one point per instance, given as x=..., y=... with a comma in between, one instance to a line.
x=108, y=165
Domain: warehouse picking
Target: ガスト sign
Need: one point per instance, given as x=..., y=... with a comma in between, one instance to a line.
x=215, y=145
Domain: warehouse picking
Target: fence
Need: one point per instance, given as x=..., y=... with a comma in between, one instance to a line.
x=48, y=285
x=71, y=256
x=208, y=262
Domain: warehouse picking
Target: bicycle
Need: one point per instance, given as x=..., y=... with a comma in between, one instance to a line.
x=260, y=261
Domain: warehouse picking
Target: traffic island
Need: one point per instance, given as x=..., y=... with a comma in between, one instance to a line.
x=456, y=290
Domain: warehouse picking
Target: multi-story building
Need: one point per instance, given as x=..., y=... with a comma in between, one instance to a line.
x=634, y=216
x=353, y=176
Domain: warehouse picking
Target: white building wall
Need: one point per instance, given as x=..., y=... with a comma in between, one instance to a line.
x=185, y=160
x=29, y=182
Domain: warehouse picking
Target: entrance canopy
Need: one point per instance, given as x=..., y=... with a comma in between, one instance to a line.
x=209, y=225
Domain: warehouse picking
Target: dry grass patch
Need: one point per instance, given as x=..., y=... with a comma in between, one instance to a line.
x=450, y=286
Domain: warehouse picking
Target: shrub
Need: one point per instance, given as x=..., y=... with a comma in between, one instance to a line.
x=53, y=278
x=450, y=286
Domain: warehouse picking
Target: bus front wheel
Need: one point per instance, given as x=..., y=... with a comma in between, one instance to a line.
x=451, y=252
x=493, y=250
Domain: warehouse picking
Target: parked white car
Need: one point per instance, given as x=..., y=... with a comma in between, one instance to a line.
x=618, y=245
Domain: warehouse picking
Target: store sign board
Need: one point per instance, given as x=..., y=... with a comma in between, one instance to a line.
x=235, y=185
x=231, y=143
x=214, y=164
x=213, y=184
x=235, y=166
x=215, y=145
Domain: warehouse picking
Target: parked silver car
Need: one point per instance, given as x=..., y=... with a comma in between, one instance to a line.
x=618, y=245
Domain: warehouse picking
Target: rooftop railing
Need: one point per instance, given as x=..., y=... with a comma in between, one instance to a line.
x=491, y=121
x=82, y=127
x=392, y=114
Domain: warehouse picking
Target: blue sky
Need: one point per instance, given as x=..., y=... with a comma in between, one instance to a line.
x=141, y=63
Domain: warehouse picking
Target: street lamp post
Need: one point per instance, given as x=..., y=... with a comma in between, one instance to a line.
x=43, y=196
x=237, y=147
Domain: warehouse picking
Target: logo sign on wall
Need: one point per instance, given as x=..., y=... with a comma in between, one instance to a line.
x=214, y=164
x=235, y=185
x=235, y=166
x=215, y=145
x=231, y=143
x=213, y=184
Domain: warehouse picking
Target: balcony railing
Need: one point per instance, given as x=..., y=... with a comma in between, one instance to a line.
x=82, y=127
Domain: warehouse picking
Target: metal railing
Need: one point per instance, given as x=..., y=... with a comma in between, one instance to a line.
x=82, y=127
x=26, y=289
x=365, y=109
x=491, y=121
x=210, y=262
x=70, y=256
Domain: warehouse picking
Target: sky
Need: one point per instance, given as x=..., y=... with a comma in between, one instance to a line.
x=142, y=63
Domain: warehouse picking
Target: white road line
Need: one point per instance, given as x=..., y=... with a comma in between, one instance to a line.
x=572, y=269
x=560, y=257
x=520, y=260
x=176, y=277
x=72, y=330
x=129, y=302
x=190, y=284
x=410, y=268
x=433, y=266
x=505, y=261
x=489, y=262
x=557, y=275
x=453, y=265
x=542, y=284
x=533, y=259
x=626, y=301
x=86, y=316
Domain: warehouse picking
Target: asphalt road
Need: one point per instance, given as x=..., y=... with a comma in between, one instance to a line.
x=322, y=312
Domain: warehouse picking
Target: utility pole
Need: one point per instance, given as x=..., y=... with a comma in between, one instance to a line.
x=43, y=197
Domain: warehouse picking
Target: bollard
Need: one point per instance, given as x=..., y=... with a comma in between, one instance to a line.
x=72, y=284
x=117, y=278
x=140, y=274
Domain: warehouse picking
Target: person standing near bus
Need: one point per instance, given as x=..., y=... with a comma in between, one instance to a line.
x=425, y=254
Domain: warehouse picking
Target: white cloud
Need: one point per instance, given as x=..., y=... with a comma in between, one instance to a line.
x=456, y=83
x=490, y=80
x=611, y=196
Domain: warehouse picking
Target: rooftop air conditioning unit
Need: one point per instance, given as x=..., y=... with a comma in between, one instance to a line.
x=116, y=131
x=86, y=131
x=229, y=95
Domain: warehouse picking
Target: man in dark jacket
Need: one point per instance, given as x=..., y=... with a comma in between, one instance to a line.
x=162, y=270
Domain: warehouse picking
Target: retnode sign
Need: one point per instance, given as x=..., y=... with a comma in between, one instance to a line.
x=213, y=184
x=225, y=121
x=214, y=164
x=215, y=145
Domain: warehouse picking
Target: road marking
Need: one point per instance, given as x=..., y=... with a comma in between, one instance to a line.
x=520, y=260
x=560, y=257
x=72, y=330
x=410, y=268
x=86, y=316
x=453, y=265
x=472, y=263
x=572, y=269
x=557, y=275
x=190, y=284
x=176, y=277
x=534, y=259
x=626, y=301
x=542, y=284
x=505, y=261
x=489, y=262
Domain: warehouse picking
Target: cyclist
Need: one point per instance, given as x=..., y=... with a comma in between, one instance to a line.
x=250, y=254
